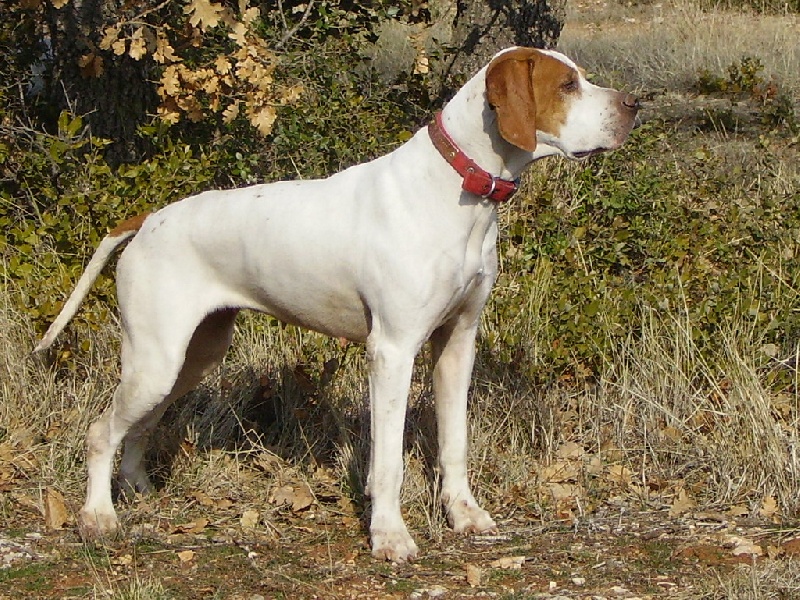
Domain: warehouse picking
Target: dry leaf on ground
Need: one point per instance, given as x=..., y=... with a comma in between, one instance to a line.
x=55, y=511
x=249, y=519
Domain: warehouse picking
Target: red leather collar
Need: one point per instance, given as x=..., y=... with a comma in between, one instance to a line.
x=475, y=179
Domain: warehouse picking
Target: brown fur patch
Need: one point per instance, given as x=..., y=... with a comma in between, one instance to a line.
x=526, y=89
x=132, y=224
x=550, y=75
x=510, y=93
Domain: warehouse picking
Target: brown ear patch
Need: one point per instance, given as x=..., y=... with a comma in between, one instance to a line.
x=509, y=90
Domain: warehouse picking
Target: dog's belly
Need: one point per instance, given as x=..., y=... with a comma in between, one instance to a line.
x=335, y=315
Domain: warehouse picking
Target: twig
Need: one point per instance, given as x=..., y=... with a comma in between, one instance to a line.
x=290, y=34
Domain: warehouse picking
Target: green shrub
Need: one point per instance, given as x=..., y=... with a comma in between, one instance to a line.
x=60, y=198
x=639, y=234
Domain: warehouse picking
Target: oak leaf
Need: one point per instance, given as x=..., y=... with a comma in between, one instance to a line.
x=164, y=53
x=138, y=48
x=110, y=35
x=204, y=14
x=682, y=504
x=55, y=511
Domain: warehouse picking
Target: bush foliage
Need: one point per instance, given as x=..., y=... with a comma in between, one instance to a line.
x=591, y=248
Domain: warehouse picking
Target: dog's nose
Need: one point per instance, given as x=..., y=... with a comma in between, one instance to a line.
x=631, y=102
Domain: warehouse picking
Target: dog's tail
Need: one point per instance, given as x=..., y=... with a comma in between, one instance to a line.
x=124, y=231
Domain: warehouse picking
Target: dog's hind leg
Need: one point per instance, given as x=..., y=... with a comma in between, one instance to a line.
x=206, y=350
x=156, y=369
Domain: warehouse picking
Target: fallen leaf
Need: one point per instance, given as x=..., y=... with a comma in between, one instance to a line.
x=742, y=546
x=620, y=474
x=55, y=511
x=473, y=575
x=791, y=547
x=769, y=508
x=223, y=503
x=740, y=510
x=124, y=560
x=595, y=466
x=299, y=497
x=564, y=491
x=186, y=555
x=559, y=472
x=196, y=526
x=570, y=450
x=682, y=504
x=202, y=498
x=509, y=562
x=249, y=519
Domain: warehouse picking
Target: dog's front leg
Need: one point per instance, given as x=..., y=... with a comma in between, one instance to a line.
x=390, y=368
x=453, y=357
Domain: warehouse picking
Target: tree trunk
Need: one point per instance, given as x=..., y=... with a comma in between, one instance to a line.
x=112, y=93
x=482, y=27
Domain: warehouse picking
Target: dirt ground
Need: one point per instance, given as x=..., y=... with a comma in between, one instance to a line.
x=305, y=539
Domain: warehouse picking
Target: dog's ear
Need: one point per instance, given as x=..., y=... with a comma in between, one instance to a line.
x=509, y=90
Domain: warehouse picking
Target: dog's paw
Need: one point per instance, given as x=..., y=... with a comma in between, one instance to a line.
x=465, y=517
x=94, y=525
x=394, y=545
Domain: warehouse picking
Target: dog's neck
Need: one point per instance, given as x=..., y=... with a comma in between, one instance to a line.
x=479, y=138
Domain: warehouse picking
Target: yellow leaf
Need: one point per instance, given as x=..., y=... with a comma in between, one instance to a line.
x=110, y=36
x=138, y=48
x=119, y=47
x=682, y=504
x=263, y=119
x=168, y=111
x=164, y=51
x=769, y=507
x=222, y=65
x=239, y=34
x=292, y=94
x=211, y=85
x=186, y=555
x=170, y=81
x=473, y=575
x=249, y=519
x=55, y=511
x=59, y=3
x=205, y=14
x=230, y=113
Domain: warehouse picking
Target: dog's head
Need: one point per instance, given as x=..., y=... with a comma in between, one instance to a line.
x=542, y=97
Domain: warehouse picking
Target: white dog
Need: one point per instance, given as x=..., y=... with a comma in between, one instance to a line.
x=392, y=253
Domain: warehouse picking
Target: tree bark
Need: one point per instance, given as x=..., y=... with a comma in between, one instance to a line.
x=114, y=95
x=480, y=28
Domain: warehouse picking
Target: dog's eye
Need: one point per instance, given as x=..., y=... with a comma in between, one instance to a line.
x=570, y=85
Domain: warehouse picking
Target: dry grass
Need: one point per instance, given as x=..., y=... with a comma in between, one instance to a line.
x=666, y=45
x=660, y=418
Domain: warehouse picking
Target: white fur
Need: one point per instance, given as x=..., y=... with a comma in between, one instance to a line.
x=391, y=253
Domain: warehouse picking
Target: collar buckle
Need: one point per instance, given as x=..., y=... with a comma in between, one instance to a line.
x=475, y=180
